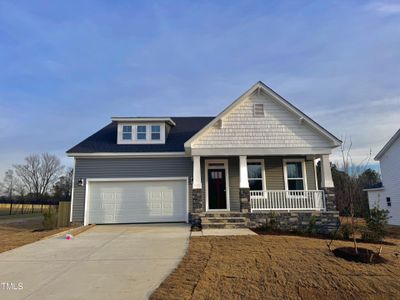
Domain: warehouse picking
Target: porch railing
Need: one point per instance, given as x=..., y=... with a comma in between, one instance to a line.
x=287, y=200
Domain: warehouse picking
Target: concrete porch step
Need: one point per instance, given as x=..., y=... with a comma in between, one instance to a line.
x=223, y=225
x=223, y=214
x=207, y=220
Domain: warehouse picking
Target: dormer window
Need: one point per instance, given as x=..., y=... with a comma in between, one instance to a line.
x=155, y=132
x=141, y=132
x=127, y=132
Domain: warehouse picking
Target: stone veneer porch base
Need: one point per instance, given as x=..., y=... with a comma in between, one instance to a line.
x=325, y=221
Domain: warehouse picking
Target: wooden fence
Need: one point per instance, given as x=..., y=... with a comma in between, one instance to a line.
x=62, y=210
x=16, y=209
x=63, y=213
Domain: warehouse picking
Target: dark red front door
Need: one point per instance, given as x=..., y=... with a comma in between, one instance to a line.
x=216, y=189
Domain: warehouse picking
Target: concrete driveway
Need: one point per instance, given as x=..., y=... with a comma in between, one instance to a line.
x=105, y=262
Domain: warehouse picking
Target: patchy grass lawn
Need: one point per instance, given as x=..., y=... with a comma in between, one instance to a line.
x=17, y=232
x=278, y=267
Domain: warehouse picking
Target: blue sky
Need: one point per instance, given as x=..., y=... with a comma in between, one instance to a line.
x=66, y=69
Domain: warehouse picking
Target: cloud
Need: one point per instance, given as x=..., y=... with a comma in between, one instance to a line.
x=384, y=7
x=369, y=125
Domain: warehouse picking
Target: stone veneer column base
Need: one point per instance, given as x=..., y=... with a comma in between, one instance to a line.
x=197, y=208
x=330, y=199
x=197, y=201
x=244, y=200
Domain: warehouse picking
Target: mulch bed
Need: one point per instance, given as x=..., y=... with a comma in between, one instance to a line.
x=363, y=255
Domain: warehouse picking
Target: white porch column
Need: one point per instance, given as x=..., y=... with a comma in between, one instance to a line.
x=326, y=174
x=196, y=173
x=244, y=179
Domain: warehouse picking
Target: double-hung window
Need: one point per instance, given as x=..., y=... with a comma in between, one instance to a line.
x=295, y=175
x=155, y=132
x=255, y=174
x=141, y=132
x=126, y=132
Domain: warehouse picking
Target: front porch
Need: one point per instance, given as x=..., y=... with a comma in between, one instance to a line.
x=241, y=191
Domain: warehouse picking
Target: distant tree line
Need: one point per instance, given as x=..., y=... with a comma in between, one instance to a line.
x=41, y=179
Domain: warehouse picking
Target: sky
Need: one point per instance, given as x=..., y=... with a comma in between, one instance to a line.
x=67, y=67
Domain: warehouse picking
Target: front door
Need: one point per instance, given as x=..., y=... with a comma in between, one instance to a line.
x=216, y=189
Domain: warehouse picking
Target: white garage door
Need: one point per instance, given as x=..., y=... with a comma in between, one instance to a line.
x=137, y=201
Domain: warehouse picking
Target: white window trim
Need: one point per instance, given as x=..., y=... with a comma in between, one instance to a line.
x=151, y=132
x=146, y=132
x=132, y=132
x=134, y=139
x=303, y=165
x=254, y=110
x=315, y=173
x=264, y=185
x=224, y=167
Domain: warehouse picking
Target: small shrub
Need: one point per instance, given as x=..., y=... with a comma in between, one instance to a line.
x=370, y=236
x=376, y=225
x=312, y=225
x=264, y=227
x=336, y=235
x=50, y=219
x=345, y=231
x=273, y=223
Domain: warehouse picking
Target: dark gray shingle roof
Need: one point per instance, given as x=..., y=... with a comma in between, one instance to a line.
x=105, y=140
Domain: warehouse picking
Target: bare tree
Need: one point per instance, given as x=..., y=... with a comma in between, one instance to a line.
x=8, y=186
x=20, y=188
x=63, y=187
x=351, y=186
x=39, y=173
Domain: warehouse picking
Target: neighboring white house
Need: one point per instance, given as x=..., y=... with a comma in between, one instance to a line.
x=388, y=195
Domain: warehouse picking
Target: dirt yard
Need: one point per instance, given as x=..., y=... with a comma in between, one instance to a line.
x=278, y=267
x=17, y=232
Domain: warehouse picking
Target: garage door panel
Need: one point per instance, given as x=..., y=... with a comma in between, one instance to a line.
x=137, y=201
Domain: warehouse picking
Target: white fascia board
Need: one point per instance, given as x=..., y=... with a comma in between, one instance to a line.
x=259, y=151
x=388, y=145
x=260, y=85
x=374, y=189
x=128, y=154
x=138, y=119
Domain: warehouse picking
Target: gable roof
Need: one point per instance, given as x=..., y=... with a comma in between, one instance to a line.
x=260, y=85
x=387, y=146
x=105, y=140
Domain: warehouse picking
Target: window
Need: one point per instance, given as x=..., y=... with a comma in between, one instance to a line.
x=155, y=132
x=127, y=132
x=294, y=175
x=258, y=110
x=141, y=132
x=388, y=201
x=255, y=175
